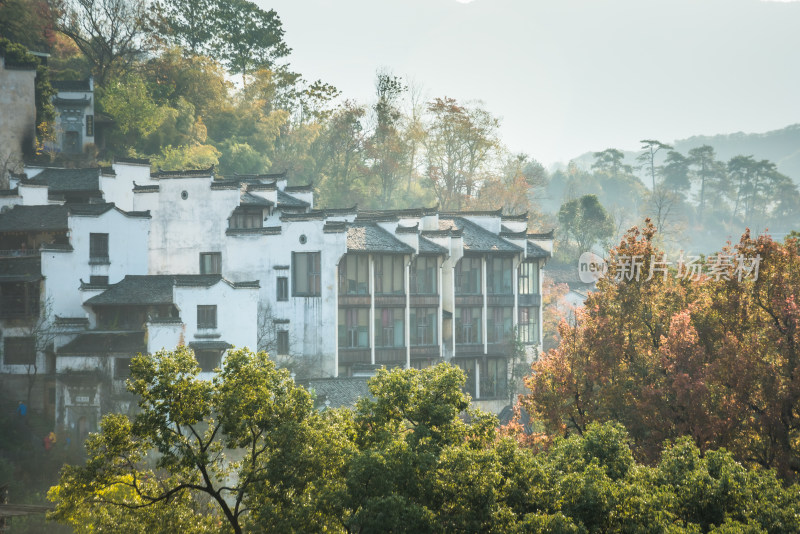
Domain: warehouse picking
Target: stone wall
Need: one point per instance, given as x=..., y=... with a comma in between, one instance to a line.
x=17, y=115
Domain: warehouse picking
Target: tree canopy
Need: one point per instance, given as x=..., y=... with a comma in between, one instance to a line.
x=246, y=452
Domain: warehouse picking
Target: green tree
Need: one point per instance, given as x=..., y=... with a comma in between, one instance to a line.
x=248, y=38
x=386, y=147
x=459, y=143
x=675, y=172
x=704, y=160
x=647, y=158
x=224, y=439
x=111, y=34
x=585, y=221
x=190, y=24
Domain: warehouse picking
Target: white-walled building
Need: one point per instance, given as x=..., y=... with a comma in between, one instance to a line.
x=133, y=261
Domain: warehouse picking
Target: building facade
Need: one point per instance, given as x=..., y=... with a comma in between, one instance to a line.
x=110, y=262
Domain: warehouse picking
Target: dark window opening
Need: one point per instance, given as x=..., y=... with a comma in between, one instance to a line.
x=282, y=288
x=354, y=275
x=208, y=360
x=306, y=274
x=98, y=248
x=283, y=342
x=19, y=350
x=206, y=316
x=468, y=276
x=122, y=368
x=210, y=263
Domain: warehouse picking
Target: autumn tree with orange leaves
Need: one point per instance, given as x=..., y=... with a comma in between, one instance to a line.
x=712, y=357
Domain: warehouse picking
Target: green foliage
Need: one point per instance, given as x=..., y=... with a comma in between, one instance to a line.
x=713, y=358
x=16, y=54
x=246, y=450
x=585, y=221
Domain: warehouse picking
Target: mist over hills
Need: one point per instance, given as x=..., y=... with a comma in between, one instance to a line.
x=782, y=147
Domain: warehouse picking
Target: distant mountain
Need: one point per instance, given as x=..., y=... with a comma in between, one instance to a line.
x=779, y=146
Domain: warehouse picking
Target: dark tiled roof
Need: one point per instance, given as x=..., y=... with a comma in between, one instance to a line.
x=377, y=217
x=210, y=345
x=334, y=227
x=372, y=238
x=137, y=291
x=72, y=321
x=133, y=161
x=338, y=392
x=70, y=85
x=405, y=213
x=225, y=184
x=34, y=218
x=476, y=238
x=308, y=188
x=254, y=200
x=66, y=180
x=272, y=186
x=90, y=210
x=95, y=210
x=265, y=230
x=22, y=269
x=106, y=343
x=448, y=232
x=108, y=171
x=145, y=188
x=267, y=176
x=535, y=251
x=542, y=235
x=487, y=213
x=505, y=232
x=522, y=217
x=407, y=229
x=185, y=173
x=314, y=215
x=9, y=192
x=429, y=247
x=288, y=200
x=341, y=211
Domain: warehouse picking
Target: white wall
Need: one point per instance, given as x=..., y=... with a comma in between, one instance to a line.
x=63, y=270
x=181, y=229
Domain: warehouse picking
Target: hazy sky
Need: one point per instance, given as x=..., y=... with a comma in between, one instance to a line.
x=567, y=76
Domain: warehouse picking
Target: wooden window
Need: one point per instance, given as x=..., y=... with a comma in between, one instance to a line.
x=354, y=328
x=468, y=326
x=207, y=316
x=389, y=327
x=424, y=276
x=529, y=278
x=468, y=276
x=498, y=276
x=499, y=323
x=354, y=275
x=283, y=342
x=282, y=288
x=306, y=274
x=424, y=323
x=210, y=263
x=529, y=325
x=98, y=248
x=389, y=275
x=208, y=360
